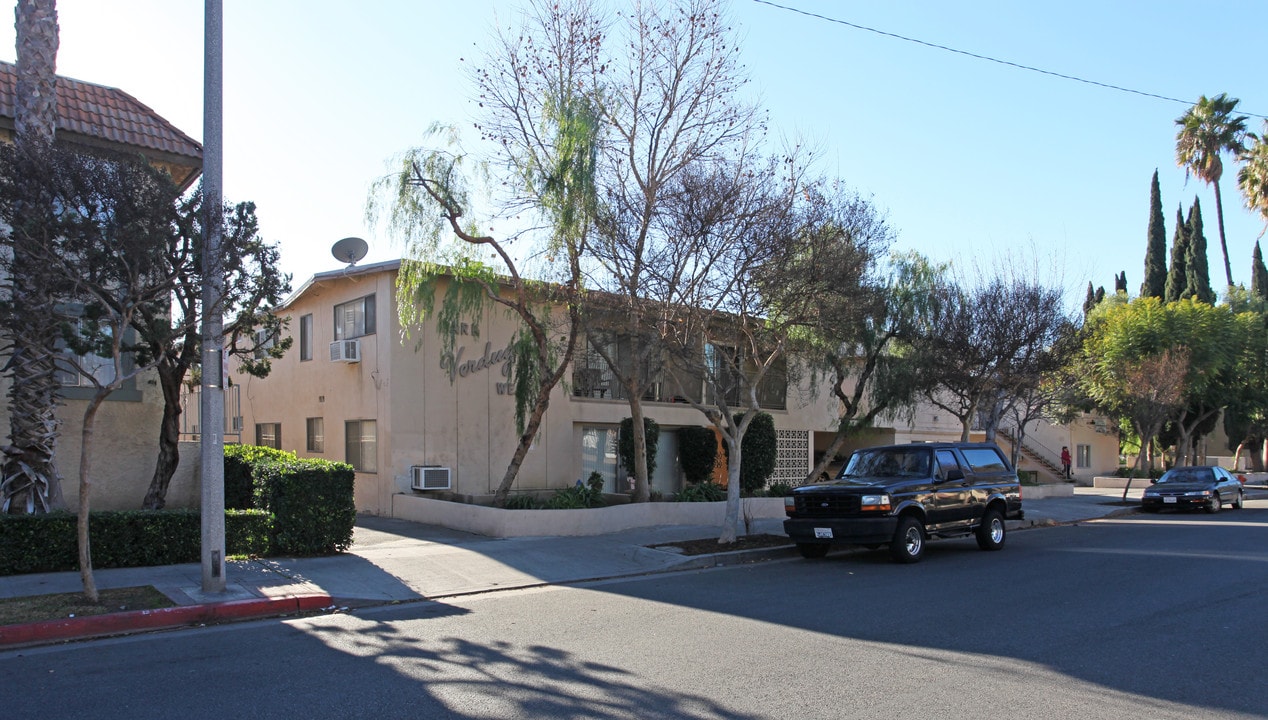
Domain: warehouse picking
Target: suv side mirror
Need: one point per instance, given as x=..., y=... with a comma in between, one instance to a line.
x=955, y=474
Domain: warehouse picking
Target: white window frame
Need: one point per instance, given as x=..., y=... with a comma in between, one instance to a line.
x=355, y=318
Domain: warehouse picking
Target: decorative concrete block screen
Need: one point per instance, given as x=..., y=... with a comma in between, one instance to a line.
x=793, y=457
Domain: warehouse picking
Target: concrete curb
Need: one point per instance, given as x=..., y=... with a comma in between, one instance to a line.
x=139, y=620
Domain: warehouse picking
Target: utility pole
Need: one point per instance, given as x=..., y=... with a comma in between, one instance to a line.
x=212, y=404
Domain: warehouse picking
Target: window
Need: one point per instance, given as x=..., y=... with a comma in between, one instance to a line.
x=316, y=435
x=598, y=454
x=984, y=460
x=1083, y=456
x=269, y=435
x=362, y=445
x=354, y=319
x=306, y=337
x=946, y=462
x=80, y=370
x=265, y=340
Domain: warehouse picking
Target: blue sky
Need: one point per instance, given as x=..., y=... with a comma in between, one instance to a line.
x=973, y=161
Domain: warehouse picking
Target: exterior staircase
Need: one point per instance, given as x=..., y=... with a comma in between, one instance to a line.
x=1035, y=457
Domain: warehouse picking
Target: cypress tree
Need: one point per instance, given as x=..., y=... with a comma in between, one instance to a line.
x=1155, y=283
x=1258, y=274
x=1090, y=301
x=1176, y=282
x=1100, y=294
x=1120, y=283
x=1197, y=271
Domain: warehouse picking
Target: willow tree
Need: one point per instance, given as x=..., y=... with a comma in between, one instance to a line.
x=544, y=128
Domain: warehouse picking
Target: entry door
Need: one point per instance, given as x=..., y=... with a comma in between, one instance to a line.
x=666, y=477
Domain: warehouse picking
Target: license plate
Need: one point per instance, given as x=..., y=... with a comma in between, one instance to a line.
x=1169, y=500
x=823, y=533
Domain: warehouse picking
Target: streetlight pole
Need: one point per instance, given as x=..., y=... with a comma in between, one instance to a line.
x=212, y=403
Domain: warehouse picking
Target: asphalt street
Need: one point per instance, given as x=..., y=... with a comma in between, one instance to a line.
x=1140, y=616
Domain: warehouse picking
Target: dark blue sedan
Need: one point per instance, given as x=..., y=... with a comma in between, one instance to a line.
x=1208, y=487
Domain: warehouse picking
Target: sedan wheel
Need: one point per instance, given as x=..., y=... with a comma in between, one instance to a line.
x=1240, y=502
x=1215, y=505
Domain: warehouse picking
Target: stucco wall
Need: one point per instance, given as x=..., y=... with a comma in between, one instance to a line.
x=125, y=447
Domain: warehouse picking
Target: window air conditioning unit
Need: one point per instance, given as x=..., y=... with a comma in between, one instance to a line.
x=429, y=477
x=348, y=351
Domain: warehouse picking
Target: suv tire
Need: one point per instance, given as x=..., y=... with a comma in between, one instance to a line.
x=908, y=545
x=991, y=533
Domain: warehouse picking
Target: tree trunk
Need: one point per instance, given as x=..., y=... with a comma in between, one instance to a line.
x=732, y=524
x=170, y=379
x=526, y=443
x=85, y=494
x=642, y=491
x=35, y=95
x=1219, y=217
x=30, y=482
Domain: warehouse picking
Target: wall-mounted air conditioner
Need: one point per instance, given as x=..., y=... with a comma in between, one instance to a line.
x=429, y=477
x=348, y=351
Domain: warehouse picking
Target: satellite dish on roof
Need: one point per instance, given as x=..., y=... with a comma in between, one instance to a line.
x=349, y=250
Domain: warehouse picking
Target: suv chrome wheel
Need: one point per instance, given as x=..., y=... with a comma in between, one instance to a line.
x=908, y=545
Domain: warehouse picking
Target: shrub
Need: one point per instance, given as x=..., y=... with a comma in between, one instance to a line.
x=1132, y=472
x=697, y=453
x=239, y=461
x=132, y=538
x=312, y=504
x=701, y=492
x=579, y=496
x=760, y=450
x=779, y=489
x=521, y=502
x=625, y=444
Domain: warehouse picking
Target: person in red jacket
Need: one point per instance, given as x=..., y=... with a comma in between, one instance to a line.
x=1065, y=461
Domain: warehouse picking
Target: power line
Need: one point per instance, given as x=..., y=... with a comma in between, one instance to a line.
x=987, y=58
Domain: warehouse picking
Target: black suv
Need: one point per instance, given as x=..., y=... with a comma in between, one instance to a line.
x=900, y=495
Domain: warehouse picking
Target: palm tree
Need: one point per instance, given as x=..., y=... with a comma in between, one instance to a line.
x=30, y=480
x=1207, y=130
x=1253, y=177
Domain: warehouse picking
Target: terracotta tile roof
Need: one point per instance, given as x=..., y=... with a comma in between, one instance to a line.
x=106, y=115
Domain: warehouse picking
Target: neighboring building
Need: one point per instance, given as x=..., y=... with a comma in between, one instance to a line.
x=359, y=388
x=127, y=426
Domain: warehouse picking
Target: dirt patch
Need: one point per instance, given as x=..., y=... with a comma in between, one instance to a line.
x=706, y=546
x=38, y=608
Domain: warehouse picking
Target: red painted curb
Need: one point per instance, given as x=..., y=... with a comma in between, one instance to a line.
x=125, y=622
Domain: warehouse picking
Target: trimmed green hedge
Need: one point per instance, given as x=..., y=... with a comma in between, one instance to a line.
x=240, y=489
x=131, y=538
x=697, y=453
x=282, y=505
x=311, y=503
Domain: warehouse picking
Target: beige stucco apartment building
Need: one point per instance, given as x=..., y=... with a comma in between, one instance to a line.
x=355, y=387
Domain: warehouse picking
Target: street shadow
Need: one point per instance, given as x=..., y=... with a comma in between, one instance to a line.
x=386, y=664
x=1109, y=602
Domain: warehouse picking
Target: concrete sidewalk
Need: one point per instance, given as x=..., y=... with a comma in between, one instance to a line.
x=398, y=561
